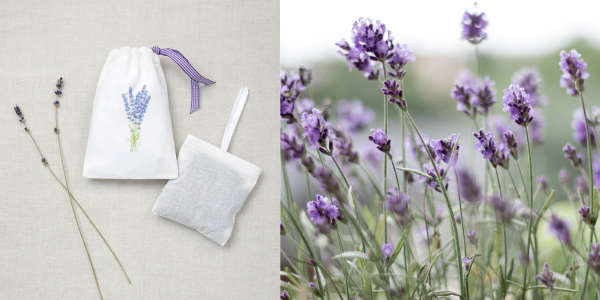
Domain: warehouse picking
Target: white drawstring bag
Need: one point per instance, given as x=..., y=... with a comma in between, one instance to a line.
x=212, y=185
x=131, y=136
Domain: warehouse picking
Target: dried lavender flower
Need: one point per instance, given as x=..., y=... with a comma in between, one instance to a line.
x=387, y=250
x=517, y=103
x=473, y=27
x=443, y=149
x=571, y=155
x=44, y=161
x=59, y=83
x=472, y=237
x=56, y=103
x=381, y=140
x=561, y=228
x=547, y=277
x=58, y=92
x=574, y=73
x=392, y=88
x=56, y=130
x=19, y=114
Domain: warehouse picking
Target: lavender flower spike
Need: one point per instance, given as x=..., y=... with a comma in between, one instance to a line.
x=574, y=73
x=496, y=155
x=323, y=213
x=373, y=39
x=317, y=130
x=392, y=89
x=594, y=258
x=472, y=237
x=578, y=125
x=586, y=215
x=399, y=203
x=443, y=149
x=547, y=277
x=466, y=262
x=517, y=103
x=531, y=81
x=483, y=95
x=381, y=140
x=571, y=155
x=511, y=144
x=561, y=228
x=473, y=27
x=387, y=250
x=470, y=192
x=20, y=114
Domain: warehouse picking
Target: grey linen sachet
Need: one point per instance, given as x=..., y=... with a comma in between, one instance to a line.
x=212, y=185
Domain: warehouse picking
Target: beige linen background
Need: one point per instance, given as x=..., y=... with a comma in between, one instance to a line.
x=234, y=43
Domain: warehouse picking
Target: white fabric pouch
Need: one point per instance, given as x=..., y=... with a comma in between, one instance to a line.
x=131, y=136
x=212, y=185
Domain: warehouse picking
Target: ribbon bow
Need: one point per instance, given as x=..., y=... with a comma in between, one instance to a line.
x=185, y=65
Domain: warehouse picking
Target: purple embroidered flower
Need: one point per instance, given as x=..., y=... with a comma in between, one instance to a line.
x=433, y=182
x=392, y=89
x=547, y=277
x=443, y=149
x=564, y=178
x=574, y=73
x=401, y=56
x=381, y=140
x=594, y=258
x=571, y=155
x=399, y=203
x=317, y=130
x=586, y=215
x=511, y=144
x=466, y=262
x=531, y=82
x=543, y=183
x=473, y=27
x=323, y=212
x=517, y=103
x=561, y=228
x=352, y=116
x=504, y=209
x=578, y=125
x=373, y=39
x=387, y=250
x=483, y=95
x=285, y=296
x=472, y=237
x=469, y=189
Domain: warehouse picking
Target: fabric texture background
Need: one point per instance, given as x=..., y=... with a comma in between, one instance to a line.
x=111, y=152
x=235, y=43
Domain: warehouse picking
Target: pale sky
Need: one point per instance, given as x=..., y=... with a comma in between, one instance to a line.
x=310, y=28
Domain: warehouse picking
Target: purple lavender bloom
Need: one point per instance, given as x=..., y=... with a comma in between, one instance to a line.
x=443, y=149
x=328, y=182
x=511, y=144
x=357, y=59
x=291, y=84
x=472, y=237
x=531, y=81
x=517, y=103
x=466, y=262
x=392, y=89
x=56, y=103
x=58, y=92
x=373, y=39
x=352, y=116
x=381, y=140
x=578, y=125
x=458, y=219
x=56, y=130
x=304, y=105
x=462, y=94
x=401, y=56
x=496, y=155
x=581, y=184
x=59, y=83
x=399, y=203
x=574, y=73
x=344, y=149
x=543, y=183
x=571, y=155
x=561, y=228
x=504, y=209
x=586, y=215
x=594, y=258
x=473, y=27
x=433, y=182
x=564, y=178
x=547, y=277
x=469, y=190
x=317, y=130
x=285, y=296
x=323, y=212
x=295, y=150
x=387, y=250
x=483, y=95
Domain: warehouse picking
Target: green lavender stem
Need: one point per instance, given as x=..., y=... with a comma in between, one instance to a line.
x=503, y=227
x=589, y=152
x=454, y=228
x=385, y=130
x=530, y=213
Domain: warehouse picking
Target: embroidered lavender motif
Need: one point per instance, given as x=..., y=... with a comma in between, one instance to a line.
x=136, y=108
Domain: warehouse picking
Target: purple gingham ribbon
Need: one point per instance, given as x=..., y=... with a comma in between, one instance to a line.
x=185, y=65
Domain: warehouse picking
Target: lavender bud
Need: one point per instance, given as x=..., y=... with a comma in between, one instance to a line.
x=571, y=155
x=586, y=216
x=443, y=149
x=392, y=89
x=59, y=83
x=511, y=144
x=387, y=250
x=473, y=27
x=472, y=237
x=574, y=73
x=543, y=184
x=561, y=228
x=547, y=277
x=399, y=203
x=517, y=103
x=594, y=258
x=58, y=92
x=44, y=161
x=381, y=140
x=56, y=130
x=467, y=263
x=458, y=219
x=282, y=230
x=285, y=296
